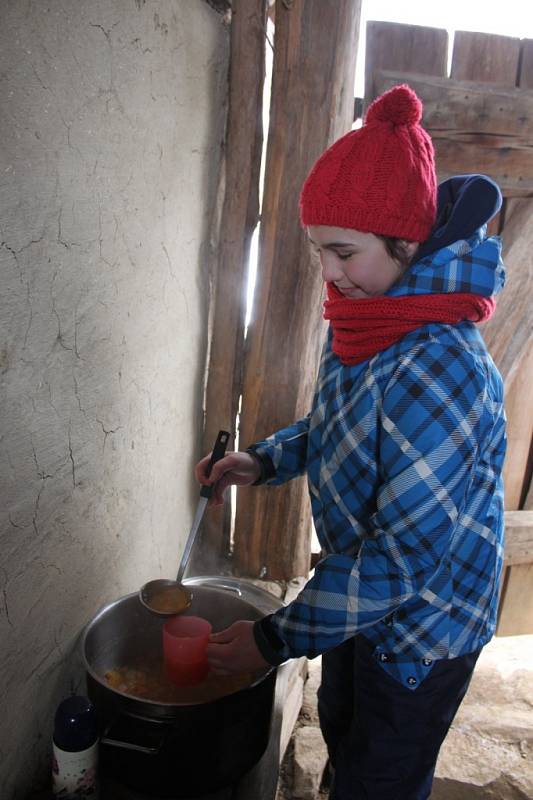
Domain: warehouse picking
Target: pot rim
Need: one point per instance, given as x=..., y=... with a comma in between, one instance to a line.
x=222, y=583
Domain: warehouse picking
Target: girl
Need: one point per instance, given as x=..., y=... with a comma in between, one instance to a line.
x=403, y=451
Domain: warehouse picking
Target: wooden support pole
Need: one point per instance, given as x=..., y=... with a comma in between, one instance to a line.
x=312, y=105
x=239, y=216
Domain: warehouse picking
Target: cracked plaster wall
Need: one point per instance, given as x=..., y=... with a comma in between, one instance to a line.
x=111, y=122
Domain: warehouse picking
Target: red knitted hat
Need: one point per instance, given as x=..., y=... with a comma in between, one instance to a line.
x=378, y=179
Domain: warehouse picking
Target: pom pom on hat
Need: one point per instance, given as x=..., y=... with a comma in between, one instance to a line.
x=380, y=178
x=400, y=105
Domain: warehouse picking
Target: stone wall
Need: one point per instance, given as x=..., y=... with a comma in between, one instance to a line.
x=111, y=123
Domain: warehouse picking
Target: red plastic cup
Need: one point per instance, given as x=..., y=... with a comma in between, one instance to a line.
x=185, y=649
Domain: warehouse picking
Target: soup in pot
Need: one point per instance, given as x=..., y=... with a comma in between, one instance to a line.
x=147, y=680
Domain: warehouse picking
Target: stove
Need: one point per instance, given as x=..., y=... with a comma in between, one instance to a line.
x=260, y=782
x=209, y=748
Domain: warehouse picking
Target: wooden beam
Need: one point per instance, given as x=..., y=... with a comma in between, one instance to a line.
x=485, y=57
x=403, y=48
x=518, y=538
x=516, y=602
x=475, y=127
x=238, y=219
x=510, y=166
x=312, y=105
x=515, y=613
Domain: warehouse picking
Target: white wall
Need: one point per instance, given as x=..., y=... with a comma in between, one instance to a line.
x=111, y=122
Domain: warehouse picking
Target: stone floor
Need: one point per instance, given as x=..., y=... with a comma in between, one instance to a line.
x=488, y=754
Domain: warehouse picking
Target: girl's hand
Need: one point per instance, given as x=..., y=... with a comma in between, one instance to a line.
x=240, y=469
x=234, y=650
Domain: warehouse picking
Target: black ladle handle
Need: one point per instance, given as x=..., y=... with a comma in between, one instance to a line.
x=219, y=451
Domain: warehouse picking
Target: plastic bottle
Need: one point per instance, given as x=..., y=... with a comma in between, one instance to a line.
x=75, y=746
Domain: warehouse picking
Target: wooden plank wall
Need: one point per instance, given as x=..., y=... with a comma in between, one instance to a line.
x=239, y=200
x=312, y=101
x=481, y=120
x=509, y=336
x=496, y=59
x=486, y=58
x=489, y=124
x=402, y=48
x=312, y=104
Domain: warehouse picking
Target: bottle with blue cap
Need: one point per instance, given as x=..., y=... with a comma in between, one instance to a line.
x=75, y=746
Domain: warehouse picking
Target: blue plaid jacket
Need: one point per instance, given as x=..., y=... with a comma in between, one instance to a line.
x=403, y=455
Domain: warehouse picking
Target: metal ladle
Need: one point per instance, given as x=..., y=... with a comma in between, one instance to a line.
x=166, y=597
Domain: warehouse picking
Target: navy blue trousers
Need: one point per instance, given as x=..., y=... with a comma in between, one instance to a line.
x=383, y=739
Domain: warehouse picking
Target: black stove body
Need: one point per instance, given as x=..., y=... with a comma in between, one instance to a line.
x=170, y=750
x=204, y=751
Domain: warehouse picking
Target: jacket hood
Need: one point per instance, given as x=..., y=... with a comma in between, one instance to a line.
x=457, y=256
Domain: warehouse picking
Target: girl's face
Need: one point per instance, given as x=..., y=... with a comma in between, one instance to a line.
x=357, y=263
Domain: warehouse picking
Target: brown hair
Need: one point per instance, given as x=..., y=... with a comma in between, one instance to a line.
x=396, y=248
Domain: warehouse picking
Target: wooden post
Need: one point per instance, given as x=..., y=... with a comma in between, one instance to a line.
x=312, y=105
x=239, y=216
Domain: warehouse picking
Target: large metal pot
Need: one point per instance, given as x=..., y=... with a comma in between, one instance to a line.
x=177, y=749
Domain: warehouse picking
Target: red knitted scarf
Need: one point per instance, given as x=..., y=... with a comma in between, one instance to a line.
x=362, y=328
